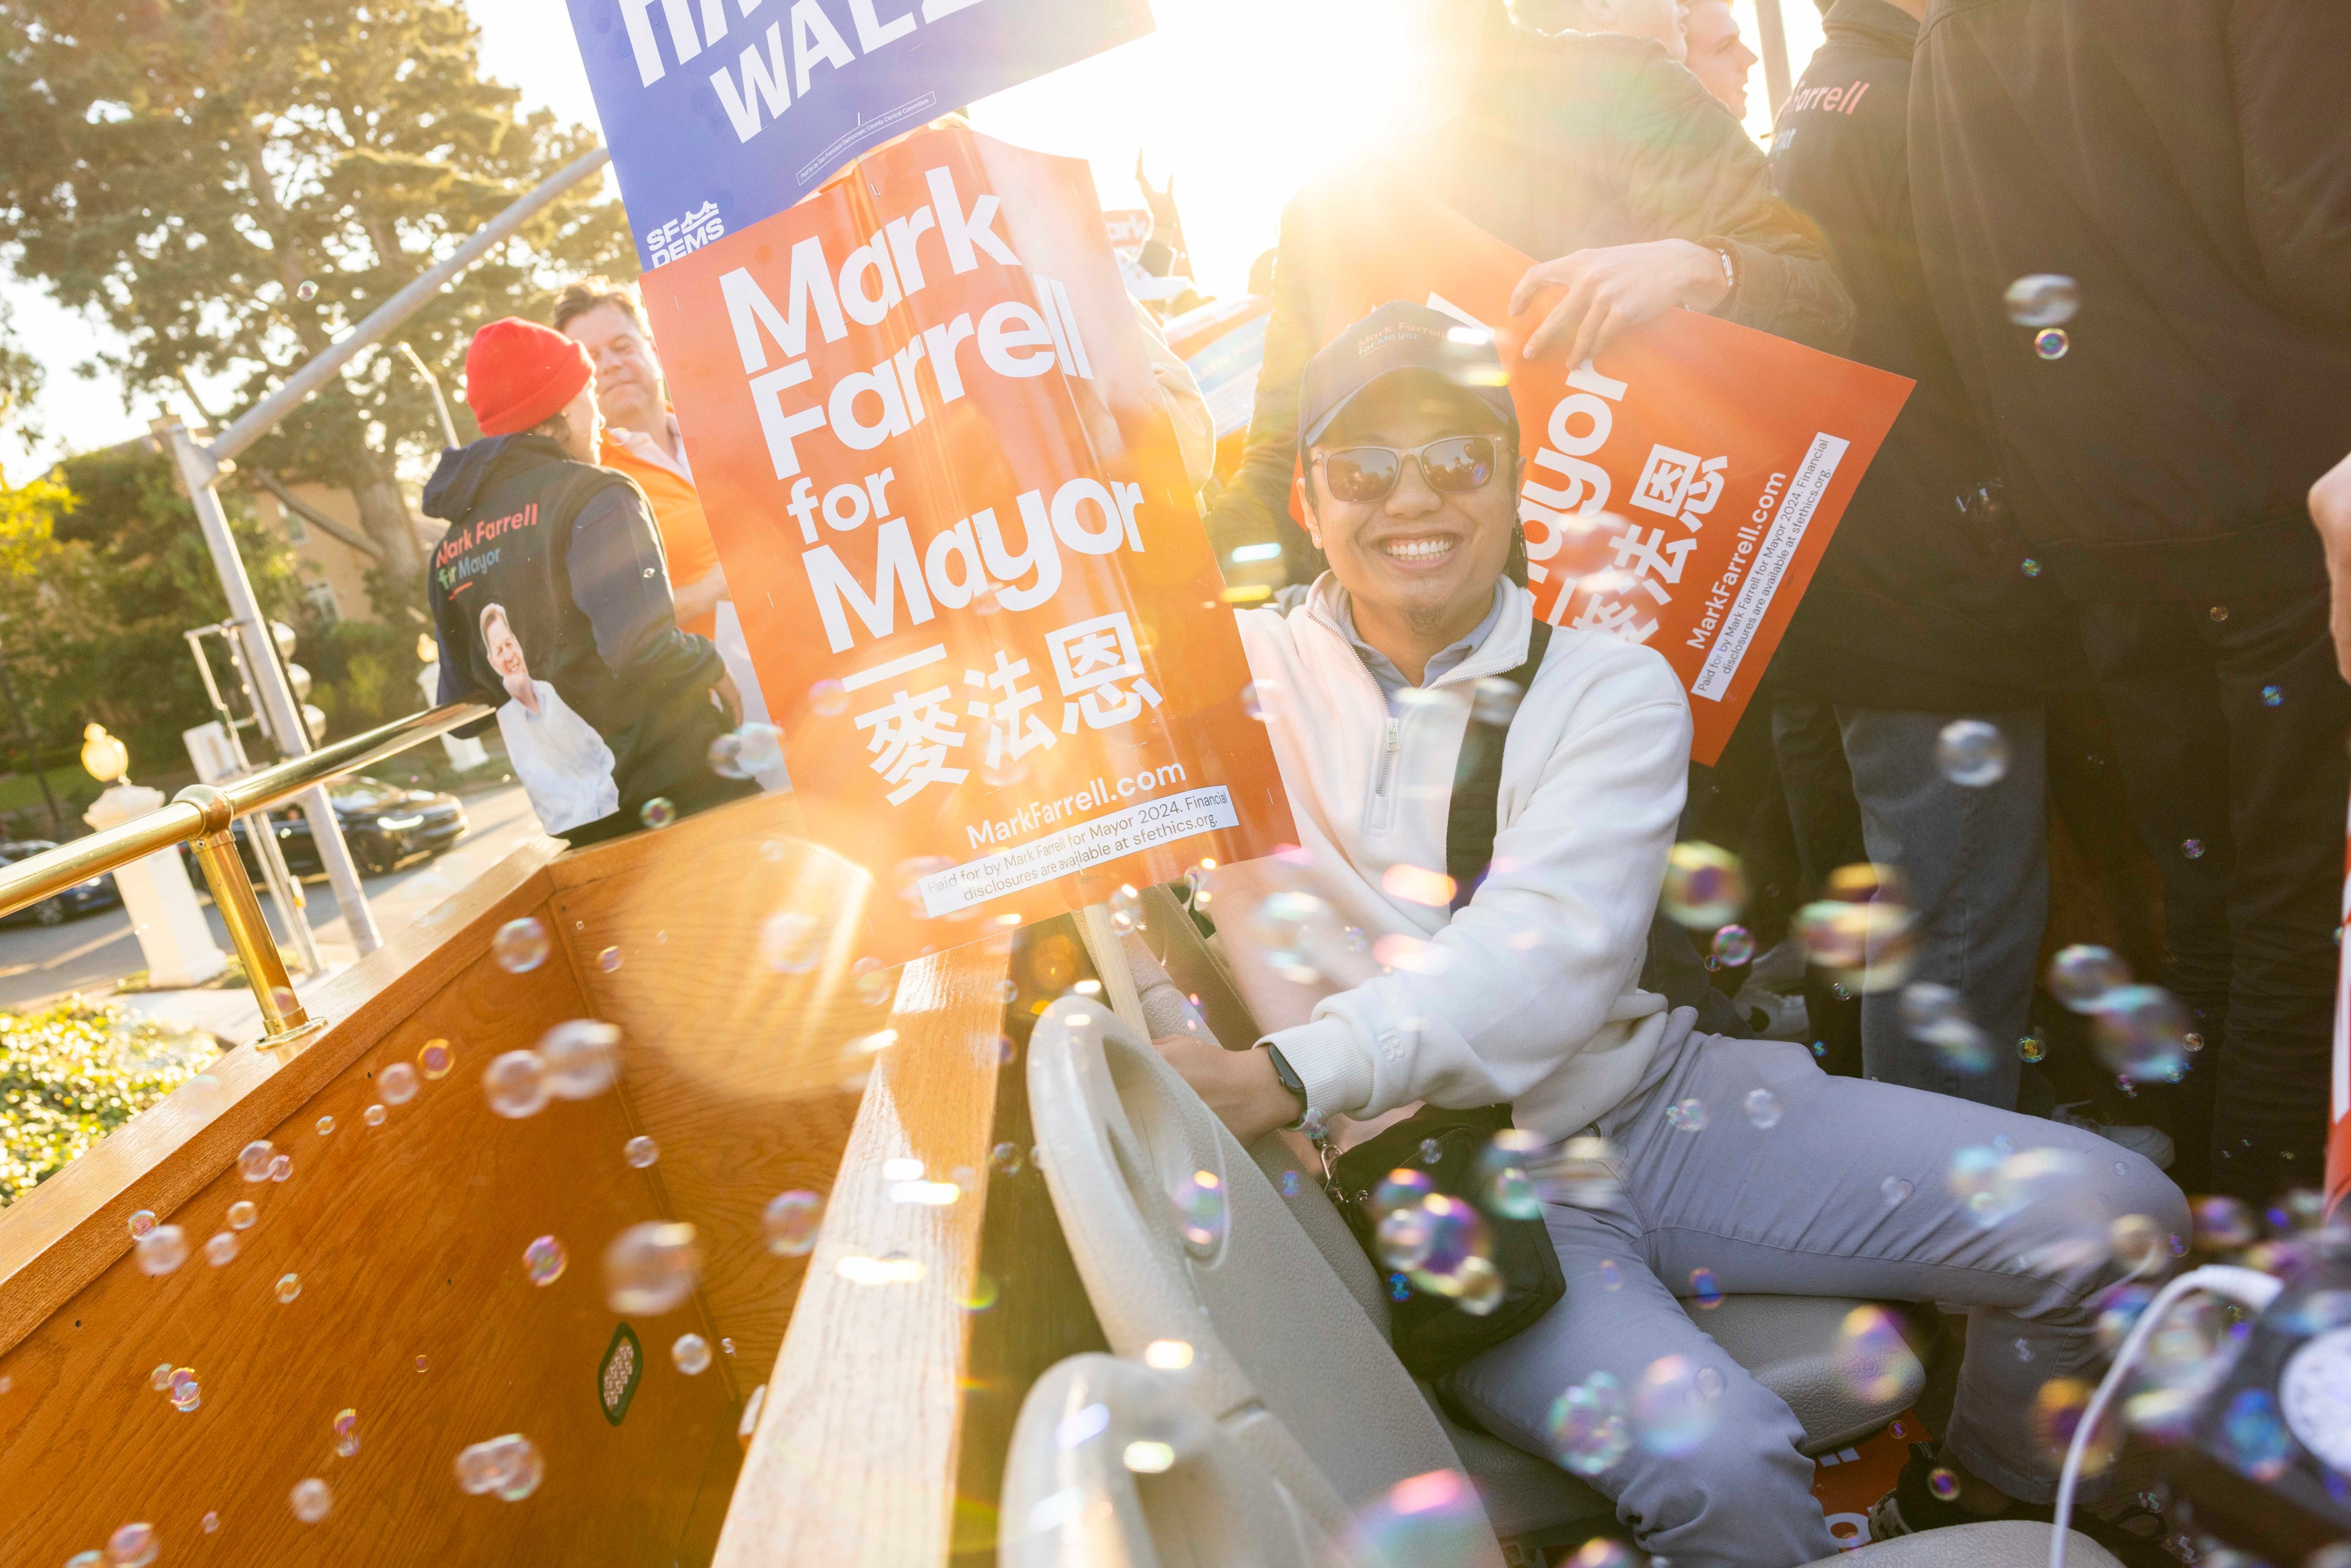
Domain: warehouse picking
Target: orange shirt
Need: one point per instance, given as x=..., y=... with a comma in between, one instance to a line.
x=677, y=514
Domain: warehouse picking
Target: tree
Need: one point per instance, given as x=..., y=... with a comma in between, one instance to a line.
x=234, y=183
x=20, y=382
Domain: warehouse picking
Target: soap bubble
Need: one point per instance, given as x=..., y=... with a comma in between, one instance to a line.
x=347, y=1433
x=582, y=1058
x=608, y=960
x=161, y=1249
x=1580, y=1173
x=1430, y=1520
x=1005, y=1159
x=650, y=1268
x=691, y=1352
x=280, y=1166
x=521, y=945
x=515, y=1082
x=1611, y=1274
x=1588, y=1431
x=1876, y=1363
x=242, y=1213
x=543, y=1260
x=312, y=1498
x=657, y=812
x=221, y=1249
x=1199, y=1202
x=1672, y=1413
x=2029, y=1049
x=1256, y=698
x=748, y=752
x=1943, y=1483
x=1125, y=909
x=141, y=1221
x=508, y=1467
x=1704, y=888
x=161, y=1378
x=288, y=1287
x=1504, y=1186
x=435, y=1058
x=2043, y=299
x=1763, y=1108
x=188, y=1396
x=2222, y=1224
x=640, y=1152
x=2140, y=1031
x=1703, y=1288
x=1972, y=753
x=1494, y=700
x=1934, y=1015
x=374, y=1116
x=1733, y=945
x=828, y=698
x=326, y=1125
x=875, y=985
x=1687, y=1115
x=1863, y=944
x=306, y=291
x=2082, y=976
x=133, y=1546
x=791, y=1220
x=2052, y=343
x=253, y=1160
x=2257, y=1441
x=1601, y=1552
x=397, y=1084
x=1893, y=1190
x=1458, y=1262
x=2057, y=1410
x=790, y=943
x=2273, y=697
x=2138, y=1243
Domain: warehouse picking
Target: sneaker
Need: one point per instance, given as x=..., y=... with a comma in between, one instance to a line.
x=1771, y=1015
x=2135, y=1533
x=2153, y=1143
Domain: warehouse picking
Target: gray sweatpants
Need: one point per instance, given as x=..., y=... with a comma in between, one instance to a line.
x=1848, y=1194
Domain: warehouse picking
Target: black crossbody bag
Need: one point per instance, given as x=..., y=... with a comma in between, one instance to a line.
x=1433, y=1333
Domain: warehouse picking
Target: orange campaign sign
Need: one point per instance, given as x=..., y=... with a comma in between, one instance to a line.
x=949, y=502
x=1680, y=488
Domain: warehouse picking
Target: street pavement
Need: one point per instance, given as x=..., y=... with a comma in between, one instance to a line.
x=39, y=963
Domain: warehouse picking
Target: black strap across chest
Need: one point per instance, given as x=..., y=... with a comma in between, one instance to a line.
x=1478, y=782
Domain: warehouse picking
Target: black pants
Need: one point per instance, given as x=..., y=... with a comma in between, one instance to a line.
x=2230, y=722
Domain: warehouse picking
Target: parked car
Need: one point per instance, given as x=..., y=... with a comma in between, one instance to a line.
x=97, y=893
x=385, y=824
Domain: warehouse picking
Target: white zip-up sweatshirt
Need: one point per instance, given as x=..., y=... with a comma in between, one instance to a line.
x=1529, y=994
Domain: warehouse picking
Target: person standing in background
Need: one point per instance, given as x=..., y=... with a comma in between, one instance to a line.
x=2136, y=225
x=1716, y=55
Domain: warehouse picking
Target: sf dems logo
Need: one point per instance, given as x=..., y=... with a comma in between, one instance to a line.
x=780, y=65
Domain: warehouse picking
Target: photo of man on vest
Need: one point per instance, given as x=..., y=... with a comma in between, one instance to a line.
x=551, y=600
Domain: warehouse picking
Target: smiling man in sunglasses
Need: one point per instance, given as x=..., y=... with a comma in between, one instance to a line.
x=1465, y=963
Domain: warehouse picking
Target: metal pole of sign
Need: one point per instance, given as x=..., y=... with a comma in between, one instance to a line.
x=200, y=466
x=284, y=890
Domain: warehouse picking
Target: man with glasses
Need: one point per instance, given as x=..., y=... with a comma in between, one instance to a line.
x=1740, y=1166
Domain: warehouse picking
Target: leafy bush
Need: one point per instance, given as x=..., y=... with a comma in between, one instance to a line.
x=74, y=1071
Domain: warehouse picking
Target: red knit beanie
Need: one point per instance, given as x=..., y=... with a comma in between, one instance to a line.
x=519, y=372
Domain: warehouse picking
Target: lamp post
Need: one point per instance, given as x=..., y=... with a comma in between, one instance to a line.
x=173, y=936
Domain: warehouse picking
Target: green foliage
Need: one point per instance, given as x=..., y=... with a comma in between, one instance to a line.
x=186, y=171
x=362, y=674
x=102, y=568
x=20, y=382
x=73, y=1073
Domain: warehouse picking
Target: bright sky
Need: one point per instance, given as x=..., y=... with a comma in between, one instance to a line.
x=1220, y=97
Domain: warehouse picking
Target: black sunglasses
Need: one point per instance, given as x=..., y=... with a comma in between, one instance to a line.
x=1453, y=466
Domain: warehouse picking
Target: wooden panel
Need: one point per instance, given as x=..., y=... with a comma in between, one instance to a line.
x=408, y=1239
x=854, y=1461
x=745, y=1076
x=70, y=1228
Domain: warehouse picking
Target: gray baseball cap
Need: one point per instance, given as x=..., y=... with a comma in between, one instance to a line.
x=1397, y=338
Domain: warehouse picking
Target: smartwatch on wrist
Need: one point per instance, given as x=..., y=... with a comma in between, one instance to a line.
x=1287, y=1077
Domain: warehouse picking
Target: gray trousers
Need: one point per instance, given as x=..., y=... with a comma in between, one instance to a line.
x=1848, y=1194
x=1975, y=862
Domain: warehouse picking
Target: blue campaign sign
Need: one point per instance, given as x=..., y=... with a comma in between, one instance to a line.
x=722, y=112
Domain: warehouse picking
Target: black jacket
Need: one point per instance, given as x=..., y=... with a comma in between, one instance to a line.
x=1568, y=143
x=2188, y=162
x=568, y=552
x=1922, y=601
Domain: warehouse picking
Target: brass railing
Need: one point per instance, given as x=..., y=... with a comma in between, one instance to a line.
x=200, y=815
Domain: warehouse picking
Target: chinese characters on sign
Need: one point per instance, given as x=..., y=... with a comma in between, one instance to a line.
x=947, y=497
x=1679, y=490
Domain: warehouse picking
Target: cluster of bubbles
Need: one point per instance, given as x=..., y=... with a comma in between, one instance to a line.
x=2143, y=1033
x=507, y=1468
x=576, y=1060
x=1433, y=1242
x=180, y=1383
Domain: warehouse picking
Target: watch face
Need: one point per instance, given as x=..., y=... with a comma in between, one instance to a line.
x=2316, y=1394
